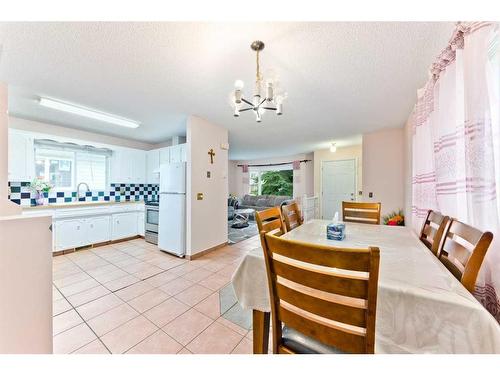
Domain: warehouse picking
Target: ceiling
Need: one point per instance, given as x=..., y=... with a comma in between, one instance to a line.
x=343, y=79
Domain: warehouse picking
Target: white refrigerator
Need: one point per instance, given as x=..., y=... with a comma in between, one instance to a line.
x=172, y=210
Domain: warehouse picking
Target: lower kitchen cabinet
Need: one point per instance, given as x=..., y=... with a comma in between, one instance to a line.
x=124, y=225
x=98, y=229
x=70, y=234
x=141, y=223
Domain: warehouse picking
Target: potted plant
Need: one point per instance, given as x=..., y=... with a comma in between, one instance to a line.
x=39, y=187
x=395, y=218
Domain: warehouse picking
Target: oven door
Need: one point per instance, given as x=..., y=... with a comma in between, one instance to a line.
x=151, y=219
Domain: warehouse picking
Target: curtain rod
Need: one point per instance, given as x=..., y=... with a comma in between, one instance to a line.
x=272, y=164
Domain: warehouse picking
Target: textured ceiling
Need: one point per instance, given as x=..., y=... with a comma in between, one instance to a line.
x=342, y=79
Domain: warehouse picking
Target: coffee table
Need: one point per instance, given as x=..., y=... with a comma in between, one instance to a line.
x=241, y=216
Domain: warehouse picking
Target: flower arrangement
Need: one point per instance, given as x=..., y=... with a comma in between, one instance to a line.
x=395, y=218
x=39, y=187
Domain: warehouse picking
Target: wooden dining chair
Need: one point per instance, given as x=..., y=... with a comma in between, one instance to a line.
x=323, y=299
x=360, y=212
x=432, y=230
x=462, y=251
x=291, y=216
x=269, y=220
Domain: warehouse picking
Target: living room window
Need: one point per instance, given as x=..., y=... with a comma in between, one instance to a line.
x=271, y=182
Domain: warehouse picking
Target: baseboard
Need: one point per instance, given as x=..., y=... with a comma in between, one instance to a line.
x=205, y=252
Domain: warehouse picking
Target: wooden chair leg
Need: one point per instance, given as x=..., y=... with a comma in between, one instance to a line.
x=260, y=331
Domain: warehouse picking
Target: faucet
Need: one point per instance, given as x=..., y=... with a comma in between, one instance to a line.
x=78, y=189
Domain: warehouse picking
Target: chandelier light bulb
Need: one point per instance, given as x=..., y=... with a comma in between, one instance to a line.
x=333, y=148
x=239, y=84
x=258, y=117
x=236, y=112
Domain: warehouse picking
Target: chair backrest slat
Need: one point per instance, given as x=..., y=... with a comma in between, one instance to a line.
x=462, y=251
x=326, y=293
x=352, y=259
x=331, y=283
x=270, y=219
x=432, y=230
x=348, y=314
x=291, y=216
x=361, y=212
x=306, y=324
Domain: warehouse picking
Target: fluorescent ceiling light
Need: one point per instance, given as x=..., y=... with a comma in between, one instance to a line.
x=88, y=112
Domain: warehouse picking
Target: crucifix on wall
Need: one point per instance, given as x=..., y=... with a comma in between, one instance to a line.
x=212, y=155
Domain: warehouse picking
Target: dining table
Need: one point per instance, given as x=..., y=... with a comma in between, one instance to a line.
x=421, y=306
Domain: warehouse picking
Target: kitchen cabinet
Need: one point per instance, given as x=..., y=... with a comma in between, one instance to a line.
x=124, y=225
x=141, y=223
x=21, y=157
x=175, y=154
x=70, y=234
x=152, y=167
x=164, y=155
x=98, y=229
x=128, y=166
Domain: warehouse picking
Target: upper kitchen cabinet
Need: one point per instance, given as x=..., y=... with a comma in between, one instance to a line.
x=152, y=167
x=164, y=155
x=128, y=166
x=21, y=157
x=178, y=153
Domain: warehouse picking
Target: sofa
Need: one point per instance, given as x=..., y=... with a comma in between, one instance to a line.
x=262, y=202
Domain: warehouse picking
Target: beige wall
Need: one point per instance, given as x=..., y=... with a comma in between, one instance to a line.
x=303, y=179
x=207, y=218
x=383, y=168
x=342, y=153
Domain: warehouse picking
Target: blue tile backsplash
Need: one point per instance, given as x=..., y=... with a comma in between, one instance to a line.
x=21, y=194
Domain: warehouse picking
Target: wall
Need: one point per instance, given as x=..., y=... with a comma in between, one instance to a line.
x=207, y=218
x=383, y=168
x=303, y=179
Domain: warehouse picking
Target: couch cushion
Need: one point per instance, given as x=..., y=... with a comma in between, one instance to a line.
x=262, y=202
x=278, y=199
x=249, y=200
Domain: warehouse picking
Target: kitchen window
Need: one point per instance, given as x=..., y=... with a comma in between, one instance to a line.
x=65, y=165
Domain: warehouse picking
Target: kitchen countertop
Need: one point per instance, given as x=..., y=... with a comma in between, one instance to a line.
x=79, y=204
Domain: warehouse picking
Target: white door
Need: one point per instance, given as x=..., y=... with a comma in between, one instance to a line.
x=98, y=229
x=338, y=183
x=175, y=154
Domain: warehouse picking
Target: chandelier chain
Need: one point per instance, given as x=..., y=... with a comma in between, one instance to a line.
x=259, y=77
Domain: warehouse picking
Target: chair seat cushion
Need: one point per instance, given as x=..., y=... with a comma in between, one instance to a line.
x=303, y=344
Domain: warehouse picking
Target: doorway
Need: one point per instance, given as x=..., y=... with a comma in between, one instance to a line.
x=338, y=183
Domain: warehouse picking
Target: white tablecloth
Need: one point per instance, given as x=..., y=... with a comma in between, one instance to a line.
x=421, y=307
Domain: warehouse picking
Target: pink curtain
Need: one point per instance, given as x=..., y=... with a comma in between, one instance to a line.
x=456, y=143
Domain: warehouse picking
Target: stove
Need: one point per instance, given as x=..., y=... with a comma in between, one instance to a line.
x=151, y=216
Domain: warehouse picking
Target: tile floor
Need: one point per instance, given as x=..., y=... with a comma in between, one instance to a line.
x=130, y=297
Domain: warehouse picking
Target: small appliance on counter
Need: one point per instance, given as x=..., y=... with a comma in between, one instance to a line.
x=152, y=218
x=172, y=212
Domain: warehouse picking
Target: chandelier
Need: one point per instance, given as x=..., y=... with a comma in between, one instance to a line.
x=266, y=96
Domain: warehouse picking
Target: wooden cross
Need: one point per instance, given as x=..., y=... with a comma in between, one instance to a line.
x=212, y=154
